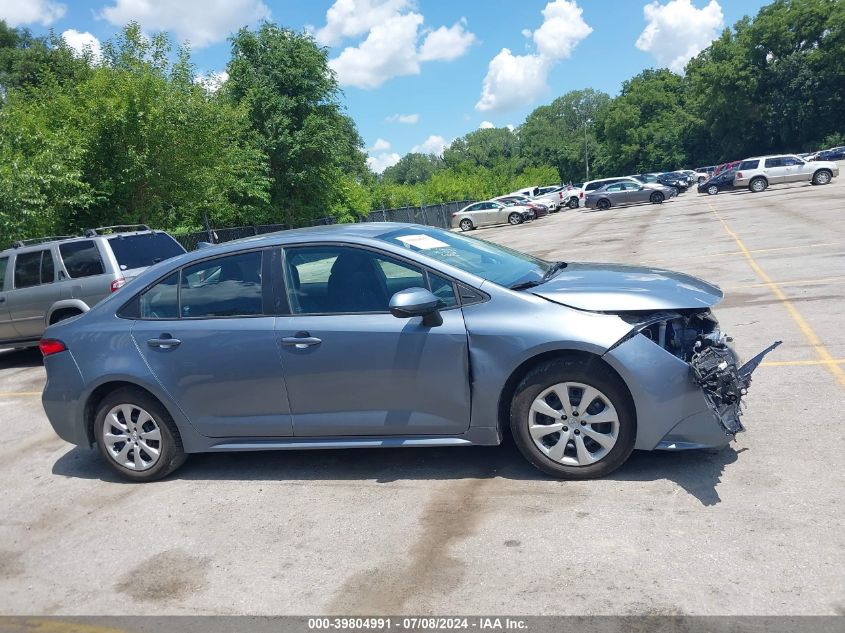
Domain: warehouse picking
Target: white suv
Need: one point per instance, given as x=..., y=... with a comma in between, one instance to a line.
x=762, y=171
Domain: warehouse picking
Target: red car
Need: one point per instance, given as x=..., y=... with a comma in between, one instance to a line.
x=540, y=210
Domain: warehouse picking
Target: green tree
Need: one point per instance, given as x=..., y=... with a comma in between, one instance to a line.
x=282, y=78
x=413, y=168
x=483, y=148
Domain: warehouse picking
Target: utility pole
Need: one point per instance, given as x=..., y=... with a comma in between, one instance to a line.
x=586, y=157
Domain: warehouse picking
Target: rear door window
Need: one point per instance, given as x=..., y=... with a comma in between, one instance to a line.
x=162, y=300
x=4, y=264
x=142, y=250
x=222, y=287
x=28, y=269
x=81, y=259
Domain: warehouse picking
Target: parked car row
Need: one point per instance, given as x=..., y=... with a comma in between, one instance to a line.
x=50, y=279
x=514, y=208
x=757, y=173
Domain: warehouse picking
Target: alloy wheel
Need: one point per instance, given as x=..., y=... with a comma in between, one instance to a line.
x=758, y=185
x=822, y=178
x=515, y=219
x=712, y=190
x=573, y=423
x=132, y=437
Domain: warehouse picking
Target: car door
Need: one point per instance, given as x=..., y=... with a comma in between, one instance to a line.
x=34, y=291
x=7, y=330
x=794, y=169
x=351, y=368
x=635, y=192
x=477, y=214
x=775, y=170
x=207, y=333
x=616, y=193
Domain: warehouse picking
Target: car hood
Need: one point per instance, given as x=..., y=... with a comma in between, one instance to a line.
x=620, y=288
x=825, y=163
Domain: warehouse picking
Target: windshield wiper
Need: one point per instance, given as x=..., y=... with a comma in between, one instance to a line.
x=523, y=285
x=555, y=267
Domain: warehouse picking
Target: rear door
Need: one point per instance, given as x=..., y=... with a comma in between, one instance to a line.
x=775, y=170
x=34, y=292
x=206, y=333
x=7, y=330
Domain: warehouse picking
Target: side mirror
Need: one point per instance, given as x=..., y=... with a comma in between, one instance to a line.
x=413, y=302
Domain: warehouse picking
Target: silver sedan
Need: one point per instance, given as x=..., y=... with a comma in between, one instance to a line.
x=623, y=193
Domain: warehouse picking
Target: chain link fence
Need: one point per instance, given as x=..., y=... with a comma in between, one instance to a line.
x=439, y=215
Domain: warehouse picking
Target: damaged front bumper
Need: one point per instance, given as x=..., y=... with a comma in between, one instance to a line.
x=685, y=379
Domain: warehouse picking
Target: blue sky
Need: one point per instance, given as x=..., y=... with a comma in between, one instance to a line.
x=445, y=67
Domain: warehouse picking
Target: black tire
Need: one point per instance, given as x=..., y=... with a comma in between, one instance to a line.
x=515, y=218
x=712, y=190
x=822, y=177
x=573, y=203
x=603, y=204
x=172, y=453
x=466, y=224
x=657, y=198
x=758, y=185
x=588, y=372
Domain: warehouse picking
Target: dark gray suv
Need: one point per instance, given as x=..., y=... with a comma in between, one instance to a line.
x=46, y=280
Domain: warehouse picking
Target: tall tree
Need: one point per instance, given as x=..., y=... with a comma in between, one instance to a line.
x=413, y=168
x=283, y=79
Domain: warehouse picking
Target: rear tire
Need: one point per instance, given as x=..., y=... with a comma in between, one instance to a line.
x=758, y=185
x=573, y=203
x=515, y=218
x=657, y=198
x=573, y=376
x=466, y=224
x=822, y=177
x=603, y=204
x=159, y=434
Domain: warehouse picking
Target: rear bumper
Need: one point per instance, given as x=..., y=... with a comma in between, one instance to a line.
x=61, y=398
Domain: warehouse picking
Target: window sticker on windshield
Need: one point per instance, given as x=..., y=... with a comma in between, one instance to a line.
x=424, y=242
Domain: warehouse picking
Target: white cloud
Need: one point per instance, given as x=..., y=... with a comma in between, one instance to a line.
x=212, y=82
x=80, y=43
x=392, y=46
x=348, y=18
x=201, y=22
x=511, y=127
x=18, y=12
x=380, y=162
x=562, y=29
x=409, y=119
x=379, y=146
x=677, y=31
x=446, y=44
x=486, y=125
x=434, y=144
x=390, y=50
x=513, y=80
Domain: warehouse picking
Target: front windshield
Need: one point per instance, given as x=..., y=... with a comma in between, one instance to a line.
x=489, y=261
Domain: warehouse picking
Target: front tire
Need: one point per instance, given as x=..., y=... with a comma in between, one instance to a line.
x=573, y=419
x=137, y=437
x=657, y=198
x=712, y=190
x=758, y=185
x=515, y=218
x=465, y=224
x=822, y=177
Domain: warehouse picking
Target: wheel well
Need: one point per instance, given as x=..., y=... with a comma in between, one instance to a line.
x=99, y=394
x=63, y=313
x=759, y=178
x=520, y=372
x=822, y=169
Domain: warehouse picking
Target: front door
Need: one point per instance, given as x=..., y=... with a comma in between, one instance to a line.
x=794, y=169
x=7, y=330
x=34, y=292
x=352, y=368
x=208, y=337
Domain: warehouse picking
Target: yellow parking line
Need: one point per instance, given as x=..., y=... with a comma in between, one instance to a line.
x=12, y=394
x=800, y=321
x=773, y=249
x=793, y=363
x=794, y=282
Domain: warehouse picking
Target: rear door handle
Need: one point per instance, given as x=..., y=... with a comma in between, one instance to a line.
x=165, y=342
x=2, y=299
x=301, y=340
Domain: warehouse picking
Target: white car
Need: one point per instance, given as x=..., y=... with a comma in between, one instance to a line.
x=543, y=195
x=760, y=172
x=490, y=212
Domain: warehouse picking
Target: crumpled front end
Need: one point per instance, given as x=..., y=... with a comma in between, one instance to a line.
x=685, y=378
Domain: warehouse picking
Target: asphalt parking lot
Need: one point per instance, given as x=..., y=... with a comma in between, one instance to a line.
x=754, y=529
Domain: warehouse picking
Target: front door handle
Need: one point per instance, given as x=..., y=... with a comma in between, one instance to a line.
x=301, y=340
x=2, y=299
x=165, y=342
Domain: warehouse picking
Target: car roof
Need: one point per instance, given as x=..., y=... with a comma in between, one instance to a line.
x=64, y=239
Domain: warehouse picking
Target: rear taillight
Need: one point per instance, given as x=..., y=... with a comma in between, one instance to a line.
x=581, y=195
x=739, y=174
x=454, y=215
x=117, y=284
x=50, y=346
